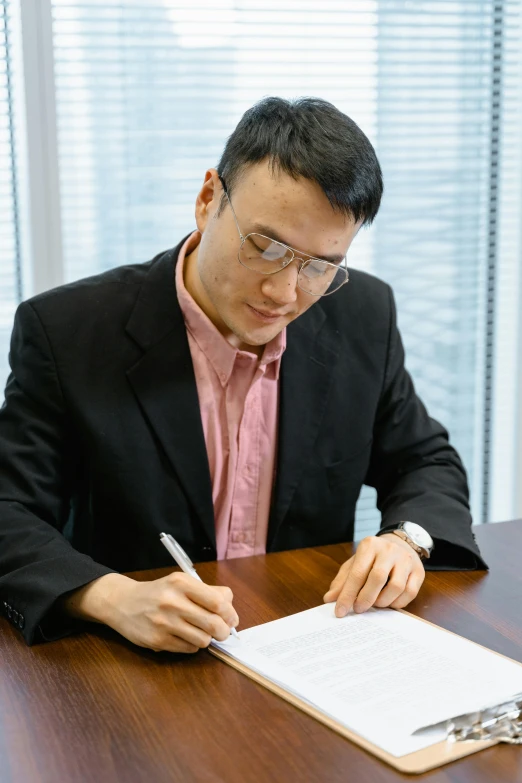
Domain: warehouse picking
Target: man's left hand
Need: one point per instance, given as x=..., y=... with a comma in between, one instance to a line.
x=385, y=571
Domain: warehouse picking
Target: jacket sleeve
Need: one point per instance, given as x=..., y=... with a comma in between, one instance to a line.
x=418, y=475
x=37, y=464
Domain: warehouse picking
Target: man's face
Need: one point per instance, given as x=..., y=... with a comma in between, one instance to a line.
x=247, y=307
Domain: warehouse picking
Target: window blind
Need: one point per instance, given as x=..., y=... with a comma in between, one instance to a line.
x=10, y=263
x=147, y=93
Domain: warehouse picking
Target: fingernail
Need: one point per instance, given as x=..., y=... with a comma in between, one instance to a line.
x=341, y=611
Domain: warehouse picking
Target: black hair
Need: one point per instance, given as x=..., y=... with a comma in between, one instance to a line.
x=309, y=138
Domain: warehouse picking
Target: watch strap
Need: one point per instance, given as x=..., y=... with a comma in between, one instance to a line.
x=423, y=553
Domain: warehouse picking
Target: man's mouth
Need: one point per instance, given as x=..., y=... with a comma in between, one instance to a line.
x=265, y=315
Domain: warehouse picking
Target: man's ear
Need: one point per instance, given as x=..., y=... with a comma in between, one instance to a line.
x=208, y=199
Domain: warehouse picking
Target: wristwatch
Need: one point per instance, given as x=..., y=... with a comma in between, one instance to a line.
x=415, y=535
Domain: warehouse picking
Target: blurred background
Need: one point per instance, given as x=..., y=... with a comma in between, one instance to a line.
x=112, y=110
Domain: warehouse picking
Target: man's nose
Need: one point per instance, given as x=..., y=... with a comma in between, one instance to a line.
x=282, y=286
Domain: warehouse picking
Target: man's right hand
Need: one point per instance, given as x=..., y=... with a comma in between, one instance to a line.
x=176, y=613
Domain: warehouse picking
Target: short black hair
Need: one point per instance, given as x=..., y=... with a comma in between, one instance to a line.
x=310, y=138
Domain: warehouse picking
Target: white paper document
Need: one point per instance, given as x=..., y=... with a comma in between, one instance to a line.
x=383, y=674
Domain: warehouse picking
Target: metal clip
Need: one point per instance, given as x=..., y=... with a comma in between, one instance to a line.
x=502, y=723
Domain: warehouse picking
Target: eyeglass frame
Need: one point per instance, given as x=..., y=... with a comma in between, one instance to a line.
x=295, y=254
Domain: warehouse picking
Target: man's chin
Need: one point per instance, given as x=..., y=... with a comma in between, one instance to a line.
x=249, y=331
x=261, y=335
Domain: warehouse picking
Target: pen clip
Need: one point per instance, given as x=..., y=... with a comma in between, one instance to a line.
x=180, y=552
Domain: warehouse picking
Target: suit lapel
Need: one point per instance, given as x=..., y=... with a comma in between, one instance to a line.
x=165, y=386
x=307, y=370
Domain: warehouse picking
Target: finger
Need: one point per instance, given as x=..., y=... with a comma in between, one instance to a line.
x=357, y=576
x=176, y=645
x=216, y=599
x=337, y=583
x=413, y=585
x=376, y=579
x=395, y=586
x=201, y=618
x=188, y=621
x=165, y=628
x=193, y=635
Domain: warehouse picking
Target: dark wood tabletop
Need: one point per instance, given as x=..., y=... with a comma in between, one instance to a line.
x=93, y=707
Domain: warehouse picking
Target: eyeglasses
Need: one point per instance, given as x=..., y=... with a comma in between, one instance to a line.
x=266, y=256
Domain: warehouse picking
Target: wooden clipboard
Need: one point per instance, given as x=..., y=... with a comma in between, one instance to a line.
x=413, y=763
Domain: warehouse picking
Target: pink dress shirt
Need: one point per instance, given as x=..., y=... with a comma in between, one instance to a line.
x=239, y=399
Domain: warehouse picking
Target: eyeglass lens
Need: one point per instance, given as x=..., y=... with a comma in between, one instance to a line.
x=265, y=255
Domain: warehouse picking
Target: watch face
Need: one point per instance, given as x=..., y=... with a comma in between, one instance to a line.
x=418, y=535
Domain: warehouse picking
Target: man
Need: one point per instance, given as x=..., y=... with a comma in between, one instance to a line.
x=235, y=391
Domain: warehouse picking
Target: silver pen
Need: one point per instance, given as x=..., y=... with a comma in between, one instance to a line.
x=184, y=561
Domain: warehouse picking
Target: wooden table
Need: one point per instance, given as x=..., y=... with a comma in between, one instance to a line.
x=95, y=708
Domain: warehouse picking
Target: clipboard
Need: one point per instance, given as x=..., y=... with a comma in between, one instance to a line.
x=466, y=735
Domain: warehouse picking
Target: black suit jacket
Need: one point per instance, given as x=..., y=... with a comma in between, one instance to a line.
x=102, y=447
